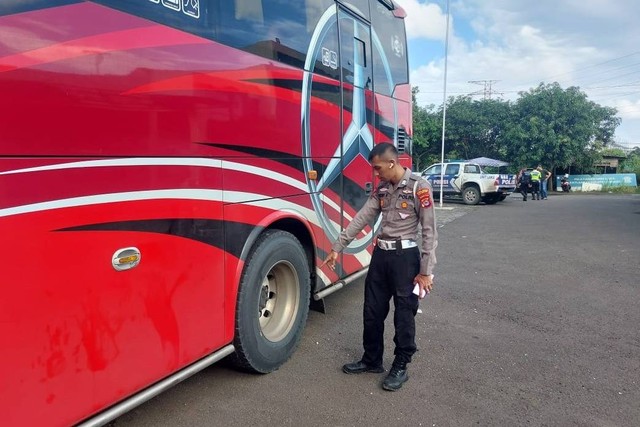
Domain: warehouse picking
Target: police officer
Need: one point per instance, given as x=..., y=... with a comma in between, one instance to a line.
x=536, y=175
x=524, y=181
x=396, y=264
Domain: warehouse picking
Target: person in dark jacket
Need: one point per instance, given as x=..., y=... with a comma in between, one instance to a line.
x=524, y=183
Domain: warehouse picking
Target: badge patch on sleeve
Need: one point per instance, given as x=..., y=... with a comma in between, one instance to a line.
x=425, y=197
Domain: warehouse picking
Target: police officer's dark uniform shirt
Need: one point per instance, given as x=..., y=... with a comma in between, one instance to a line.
x=403, y=215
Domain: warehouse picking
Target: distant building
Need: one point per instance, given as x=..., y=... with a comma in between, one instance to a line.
x=609, y=163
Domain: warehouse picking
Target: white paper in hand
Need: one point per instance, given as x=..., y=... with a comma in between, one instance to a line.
x=416, y=289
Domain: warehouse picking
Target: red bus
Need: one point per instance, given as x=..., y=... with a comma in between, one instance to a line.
x=172, y=172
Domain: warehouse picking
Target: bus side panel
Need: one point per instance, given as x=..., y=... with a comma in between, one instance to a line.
x=80, y=335
x=387, y=109
x=126, y=86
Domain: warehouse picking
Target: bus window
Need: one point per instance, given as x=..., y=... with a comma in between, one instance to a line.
x=194, y=18
x=326, y=61
x=275, y=29
x=361, y=7
x=389, y=50
x=354, y=42
x=12, y=7
x=248, y=10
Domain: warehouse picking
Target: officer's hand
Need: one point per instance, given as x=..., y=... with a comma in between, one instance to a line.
x=330, y=261
x=426, y=284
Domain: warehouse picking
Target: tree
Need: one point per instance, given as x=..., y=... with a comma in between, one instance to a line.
x=477, y=128
x=632, y=163
x=547, y=125
x=559, y=127
x=427, y=128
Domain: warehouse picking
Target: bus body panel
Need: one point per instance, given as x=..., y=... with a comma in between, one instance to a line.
x=72, y=318
x=121, y=132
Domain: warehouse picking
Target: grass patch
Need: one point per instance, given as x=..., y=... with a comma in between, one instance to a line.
x=620, y=189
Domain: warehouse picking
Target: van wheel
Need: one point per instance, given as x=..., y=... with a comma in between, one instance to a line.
x=273, y=302
x=471, y=196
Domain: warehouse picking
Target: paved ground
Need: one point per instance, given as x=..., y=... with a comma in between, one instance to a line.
x=534, y=320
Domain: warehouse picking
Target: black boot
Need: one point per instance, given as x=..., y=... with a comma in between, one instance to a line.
x=397, y=376
x=360, y=367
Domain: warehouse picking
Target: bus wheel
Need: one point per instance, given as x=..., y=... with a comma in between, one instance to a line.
x=273, y=302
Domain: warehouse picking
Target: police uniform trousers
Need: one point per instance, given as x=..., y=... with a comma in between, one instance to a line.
x=535, y=192
x=391, y=274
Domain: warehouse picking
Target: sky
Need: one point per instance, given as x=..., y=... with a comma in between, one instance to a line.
x=509, y=46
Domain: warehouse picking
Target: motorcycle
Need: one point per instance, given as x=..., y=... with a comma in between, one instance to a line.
x=564, y=184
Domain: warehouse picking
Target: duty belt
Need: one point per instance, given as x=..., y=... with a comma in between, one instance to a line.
x=392, y=245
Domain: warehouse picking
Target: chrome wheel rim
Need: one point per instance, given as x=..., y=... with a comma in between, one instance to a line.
x=278, y=301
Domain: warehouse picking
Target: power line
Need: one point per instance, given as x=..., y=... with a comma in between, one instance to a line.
x=488, y=88
x=552, y=77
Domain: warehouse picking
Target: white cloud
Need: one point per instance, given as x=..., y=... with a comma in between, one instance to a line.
x=629, y=109
x=587, y=43
x=424, y=20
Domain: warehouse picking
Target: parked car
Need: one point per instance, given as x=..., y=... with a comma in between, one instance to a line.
x=468, y=181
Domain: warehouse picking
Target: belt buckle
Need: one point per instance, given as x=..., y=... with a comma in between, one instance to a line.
x=384, y=245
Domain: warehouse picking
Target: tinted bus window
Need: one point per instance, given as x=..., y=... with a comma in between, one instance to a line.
x=9, y=7
x=355, y=52
x=389, y=50
x=276, y=29
x=186, y=15
x=325, y=45
x=361, y=7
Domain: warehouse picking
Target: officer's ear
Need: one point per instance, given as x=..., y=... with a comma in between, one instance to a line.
x=390, y=164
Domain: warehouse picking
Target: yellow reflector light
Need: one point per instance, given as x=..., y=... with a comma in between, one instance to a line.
x=128, y=259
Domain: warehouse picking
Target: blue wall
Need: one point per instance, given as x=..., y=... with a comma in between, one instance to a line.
x=600, y=182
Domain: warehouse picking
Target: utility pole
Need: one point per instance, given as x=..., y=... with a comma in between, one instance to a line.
x=488, y=88
x=444, y=103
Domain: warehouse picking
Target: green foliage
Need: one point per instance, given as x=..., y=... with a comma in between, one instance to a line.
x=632, y=163
x=427, y=130
x=547, y=125
x=476, y=128
x=619, y=189
x=559, y=127
x=613, y=152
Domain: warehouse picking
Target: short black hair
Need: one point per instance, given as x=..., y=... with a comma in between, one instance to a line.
x=383, y=148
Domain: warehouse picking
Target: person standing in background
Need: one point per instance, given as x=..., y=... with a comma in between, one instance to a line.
x=544, y=181
x=535, y=184
x=524, y=183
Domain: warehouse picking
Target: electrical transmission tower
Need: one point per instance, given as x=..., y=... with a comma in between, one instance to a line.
x=488, y=88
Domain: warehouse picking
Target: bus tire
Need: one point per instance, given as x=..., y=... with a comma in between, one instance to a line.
x=273, y=302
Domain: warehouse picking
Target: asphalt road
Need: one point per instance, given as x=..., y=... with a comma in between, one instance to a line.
x=534, y=321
